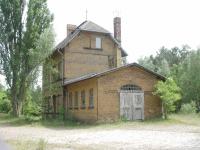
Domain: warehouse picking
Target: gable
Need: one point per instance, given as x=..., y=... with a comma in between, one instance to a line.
x=85, y=42
x=88, y=26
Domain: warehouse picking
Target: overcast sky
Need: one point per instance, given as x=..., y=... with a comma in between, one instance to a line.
x=147, y=25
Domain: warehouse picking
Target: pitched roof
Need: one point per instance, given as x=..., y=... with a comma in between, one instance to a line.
x=92, y=75
x=91, y=27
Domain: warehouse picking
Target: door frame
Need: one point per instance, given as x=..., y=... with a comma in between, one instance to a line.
x=133, y=92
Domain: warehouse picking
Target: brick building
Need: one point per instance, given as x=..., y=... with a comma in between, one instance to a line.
x=94, y=83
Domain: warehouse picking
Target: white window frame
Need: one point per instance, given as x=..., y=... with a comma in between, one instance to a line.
x=98, y=43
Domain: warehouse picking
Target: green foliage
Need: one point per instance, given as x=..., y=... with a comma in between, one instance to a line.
x=26, y=38
x=169, y=93
x=188, y=108
x=5, y=105
x=148, y=62
x=165, y=60
x=189, y=79
x=33, y=105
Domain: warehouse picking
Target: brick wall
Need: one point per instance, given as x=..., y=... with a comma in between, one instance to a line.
x=86, y=114
x=82, y=58
x=109, y=87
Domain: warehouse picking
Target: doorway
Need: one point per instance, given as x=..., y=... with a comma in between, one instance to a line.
x=131, y=102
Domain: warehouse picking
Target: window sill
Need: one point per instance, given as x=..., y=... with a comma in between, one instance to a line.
x=91, y=107
x=89, y=48
x=83, y=107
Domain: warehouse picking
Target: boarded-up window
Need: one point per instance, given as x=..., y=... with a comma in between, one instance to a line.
x=91, y=98
x=70, y=100
x=76, y=100
x=83, y=99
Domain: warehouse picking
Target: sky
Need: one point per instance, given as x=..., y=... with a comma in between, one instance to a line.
x=147, y=25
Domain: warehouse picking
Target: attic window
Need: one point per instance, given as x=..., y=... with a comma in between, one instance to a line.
x=98, y=42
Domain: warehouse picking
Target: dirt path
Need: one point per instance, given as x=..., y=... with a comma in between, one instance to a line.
x=173, y=137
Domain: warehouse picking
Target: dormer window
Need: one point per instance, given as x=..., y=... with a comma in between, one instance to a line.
x=98, y=43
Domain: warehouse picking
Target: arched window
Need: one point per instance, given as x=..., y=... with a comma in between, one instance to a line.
x=130, y=87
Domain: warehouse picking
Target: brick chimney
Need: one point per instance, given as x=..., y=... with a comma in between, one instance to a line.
x=70, y=28
x=117, y=29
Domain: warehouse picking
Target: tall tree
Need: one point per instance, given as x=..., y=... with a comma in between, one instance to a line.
x=25, y=40
x=190, y=79
x=166, y=60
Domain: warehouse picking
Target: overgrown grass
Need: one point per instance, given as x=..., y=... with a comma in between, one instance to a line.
x=187, y=119
x=174, y=119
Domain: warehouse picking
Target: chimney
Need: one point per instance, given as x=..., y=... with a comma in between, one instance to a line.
x=70, y=28
x=117, y=29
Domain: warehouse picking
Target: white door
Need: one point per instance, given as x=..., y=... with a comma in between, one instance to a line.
x=132, y=105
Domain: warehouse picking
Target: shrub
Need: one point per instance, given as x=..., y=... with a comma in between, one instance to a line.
x=5, y=105
x=32, y=111
x=169, y=93
x=188, y=108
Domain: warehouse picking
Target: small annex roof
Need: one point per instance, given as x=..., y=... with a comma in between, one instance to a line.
x=91, y=27
x=92, y=75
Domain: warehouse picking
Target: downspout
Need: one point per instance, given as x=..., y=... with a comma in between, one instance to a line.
x=97, y=99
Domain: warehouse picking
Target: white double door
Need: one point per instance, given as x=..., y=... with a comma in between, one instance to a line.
x=132, y=105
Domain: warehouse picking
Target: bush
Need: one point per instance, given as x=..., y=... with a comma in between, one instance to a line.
x=32, y=111
x=169, y=94
x=188, y=108
x=5, y=105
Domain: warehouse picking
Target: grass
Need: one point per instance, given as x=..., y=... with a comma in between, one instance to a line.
x=174, y=119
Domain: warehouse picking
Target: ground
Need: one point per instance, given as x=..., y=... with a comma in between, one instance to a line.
x=179, y=132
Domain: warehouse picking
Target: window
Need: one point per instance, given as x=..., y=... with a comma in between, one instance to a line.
x=70, y=100
x=83, y=99
x=111, y=61
x=76, y=100
x=60, y=70
x=98, y=42
x=130, y=87
x=91, y=98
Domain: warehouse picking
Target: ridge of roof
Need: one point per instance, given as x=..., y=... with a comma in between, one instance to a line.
x=92, y=75
x=91, y=27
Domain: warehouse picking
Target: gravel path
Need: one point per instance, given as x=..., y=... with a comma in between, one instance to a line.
x=172, y=138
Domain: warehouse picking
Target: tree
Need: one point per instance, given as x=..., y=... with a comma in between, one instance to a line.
x=148, y=62
x=25, y=40
x=169, y=93
x=4, y=100
x=190, y=79
x=165, y=60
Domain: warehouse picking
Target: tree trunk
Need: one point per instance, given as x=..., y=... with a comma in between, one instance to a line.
x=165, y=113
x=18, y=97
x=17, y=106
